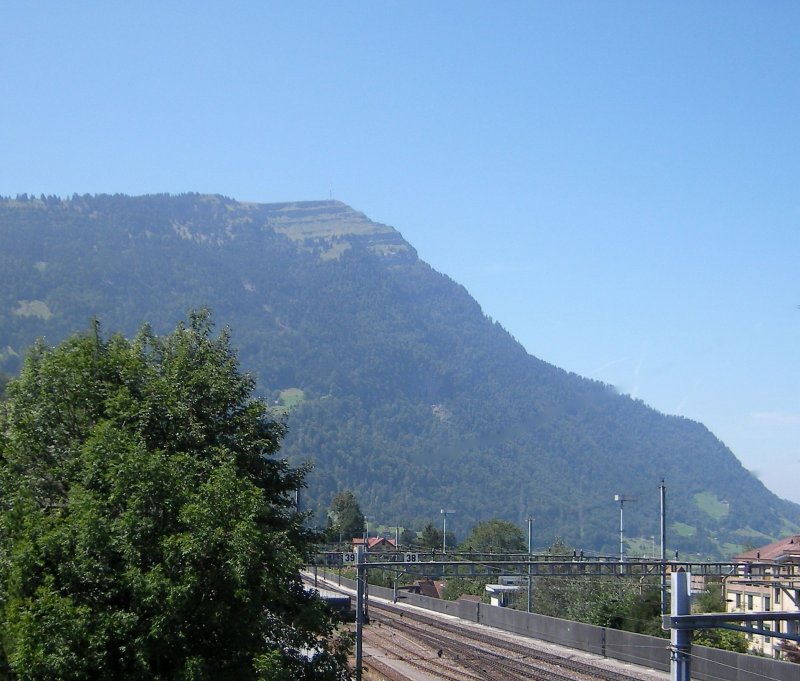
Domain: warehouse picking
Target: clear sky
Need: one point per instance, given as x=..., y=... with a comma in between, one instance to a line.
x=617, y=183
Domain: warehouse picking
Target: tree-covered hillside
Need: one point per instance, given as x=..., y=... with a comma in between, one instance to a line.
x=392, y=380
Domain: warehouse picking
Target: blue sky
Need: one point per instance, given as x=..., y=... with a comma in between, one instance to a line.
x=615, y=182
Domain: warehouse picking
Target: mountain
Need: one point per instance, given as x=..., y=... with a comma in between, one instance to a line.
x=392, y=380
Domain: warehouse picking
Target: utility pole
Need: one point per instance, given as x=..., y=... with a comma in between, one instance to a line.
x=622, y=499
x=530, y=551
x=444, y=513
x=663, y=490
x=680, y=639
x=360, y=582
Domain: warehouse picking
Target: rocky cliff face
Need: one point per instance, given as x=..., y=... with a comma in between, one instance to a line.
x=332, y=226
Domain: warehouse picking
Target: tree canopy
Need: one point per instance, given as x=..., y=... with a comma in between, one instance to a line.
x=497, y=536
x=345, y=519
x=712, y=599
x=431, y=537
x=147, y=529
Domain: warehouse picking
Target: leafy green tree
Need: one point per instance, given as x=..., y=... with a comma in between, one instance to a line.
x=459, y=586
x=496, y=536
x=603, y=601
x=641, y=612
x=408, y=537
x=147, y=530
x=345, y=519
x=735, y=641
x=560, y=548
x=431, y=537
x=713, y=600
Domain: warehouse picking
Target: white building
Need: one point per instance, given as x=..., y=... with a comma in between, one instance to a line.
x=769, y=581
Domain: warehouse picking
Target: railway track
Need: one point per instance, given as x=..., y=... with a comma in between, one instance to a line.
x=459, y=652
x=457, y=661
x=405, y=644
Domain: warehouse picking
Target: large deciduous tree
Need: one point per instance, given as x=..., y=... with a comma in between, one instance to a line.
x=345, y=519
x=430, y=537
x=712, y=599
x=496, y=536
x=147, y=529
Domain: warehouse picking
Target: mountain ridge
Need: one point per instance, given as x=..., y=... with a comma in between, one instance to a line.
x=402, y=388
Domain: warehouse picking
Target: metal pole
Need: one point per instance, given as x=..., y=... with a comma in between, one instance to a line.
x=622, y=499
x=530, y=551
x=444, y=513
x=366, y=595
x=359, y=608
x=681, y=639
x=663, y=490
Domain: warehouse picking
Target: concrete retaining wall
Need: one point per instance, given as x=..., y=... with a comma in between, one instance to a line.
x=648, y=651
x=710, y=664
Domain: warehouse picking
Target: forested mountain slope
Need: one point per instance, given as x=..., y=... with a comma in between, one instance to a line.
x=393, y=381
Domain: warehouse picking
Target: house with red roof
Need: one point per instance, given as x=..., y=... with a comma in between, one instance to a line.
x=375, y=543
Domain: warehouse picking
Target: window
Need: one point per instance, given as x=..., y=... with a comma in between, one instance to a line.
x=777, y=596
x=767, y=603
x=738, y=601
x=749, y=601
